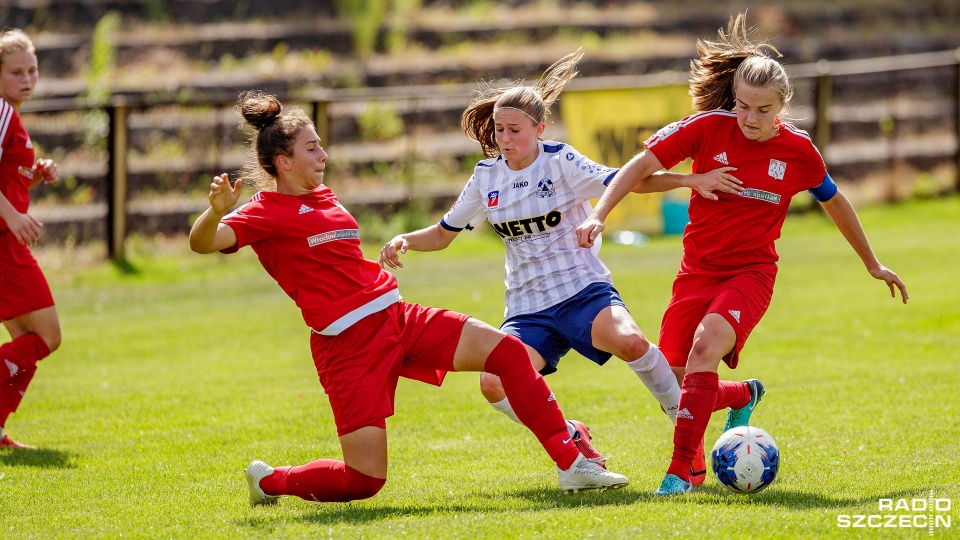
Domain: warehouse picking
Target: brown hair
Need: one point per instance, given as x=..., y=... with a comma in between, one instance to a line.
x=276, y=132
x=15, y=40
x=534, y=101
x=733, y=58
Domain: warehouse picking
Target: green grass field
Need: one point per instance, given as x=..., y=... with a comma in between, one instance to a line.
x=177, y=372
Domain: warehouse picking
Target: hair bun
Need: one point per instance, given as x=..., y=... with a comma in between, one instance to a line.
x=259, y=109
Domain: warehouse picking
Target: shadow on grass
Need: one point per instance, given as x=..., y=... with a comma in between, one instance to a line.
x=42, y=458
x=548, y=499
x=545, y=499
x=126, y=267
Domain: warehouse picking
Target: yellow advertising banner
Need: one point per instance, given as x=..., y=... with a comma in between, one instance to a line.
x=610, y=126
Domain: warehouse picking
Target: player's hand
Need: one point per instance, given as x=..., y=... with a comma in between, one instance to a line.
x=391, y=251
x=892, y=280
x=25, y=228
x=588, y=231
x=719, y=179
x=222, y=196
x=46, y=170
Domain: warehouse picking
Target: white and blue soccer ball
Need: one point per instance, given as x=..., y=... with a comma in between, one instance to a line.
x=745, y=459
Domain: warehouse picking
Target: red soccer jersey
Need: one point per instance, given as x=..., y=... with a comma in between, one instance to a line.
x=16, y=160
x=310, y=244
x=738, y=230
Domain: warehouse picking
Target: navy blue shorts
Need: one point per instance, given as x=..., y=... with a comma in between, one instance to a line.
x=567, y=325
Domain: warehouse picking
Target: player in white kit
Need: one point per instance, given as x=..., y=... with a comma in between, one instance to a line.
x=534, y=193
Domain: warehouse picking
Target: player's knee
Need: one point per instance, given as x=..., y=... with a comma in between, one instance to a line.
x=490, y=387
x=633, y=347
x=52, y=339
x=362, y=486
x=702, y=358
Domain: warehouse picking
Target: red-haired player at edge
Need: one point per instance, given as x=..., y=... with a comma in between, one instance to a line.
x=26, y=304
x=726, y=277
x=363, y=337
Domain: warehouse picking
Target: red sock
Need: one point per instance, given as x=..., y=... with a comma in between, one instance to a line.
x=532, y=400
x=11, y=392
x=697, y=397
x=22, y=353
x=324, y=480
x=732, y=394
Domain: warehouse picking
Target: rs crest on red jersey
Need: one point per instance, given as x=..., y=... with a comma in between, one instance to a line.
x=777, y=169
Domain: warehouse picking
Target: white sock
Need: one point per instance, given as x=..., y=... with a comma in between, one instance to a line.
x=505, y=407
x=655, y=372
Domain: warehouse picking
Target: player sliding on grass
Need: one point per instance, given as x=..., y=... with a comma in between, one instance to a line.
x=729, y=263
x=363, y=337
x=26, y=305
x=534, y=193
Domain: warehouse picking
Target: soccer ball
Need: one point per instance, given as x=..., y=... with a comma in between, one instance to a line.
x=745, y=459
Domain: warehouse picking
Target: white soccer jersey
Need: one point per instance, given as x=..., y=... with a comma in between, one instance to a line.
x=536, y=211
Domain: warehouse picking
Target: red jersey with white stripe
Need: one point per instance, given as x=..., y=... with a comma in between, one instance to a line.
x=738, y=230
x=310, y=245
x=16, y=160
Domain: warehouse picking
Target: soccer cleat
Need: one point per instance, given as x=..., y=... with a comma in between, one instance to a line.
x=741, y=417
x=672, y=485
x=7, y=442
x=257, y=471
x=581, y=438
x=585, y=474
x=698, y=471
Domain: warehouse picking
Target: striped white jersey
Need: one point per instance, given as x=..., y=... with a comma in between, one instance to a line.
x=536, y=212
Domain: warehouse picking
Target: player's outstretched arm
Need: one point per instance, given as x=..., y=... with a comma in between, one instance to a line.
x=208, y=235
x=628, y=179
x=432, y=238
x=706, y=184
x=845, y=217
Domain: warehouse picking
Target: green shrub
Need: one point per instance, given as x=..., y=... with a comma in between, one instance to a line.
x=379, y=122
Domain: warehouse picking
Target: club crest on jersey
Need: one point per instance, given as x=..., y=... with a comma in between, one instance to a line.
x=777, y=169
x=545, y=188
x=25, y=171
x=493, y=199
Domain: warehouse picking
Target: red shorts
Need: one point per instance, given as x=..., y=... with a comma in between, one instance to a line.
x=741, y=296
x=23, y=288
x=360, y=367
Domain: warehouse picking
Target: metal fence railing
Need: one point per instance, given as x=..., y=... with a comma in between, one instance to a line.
x=921, y=93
